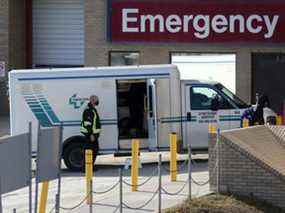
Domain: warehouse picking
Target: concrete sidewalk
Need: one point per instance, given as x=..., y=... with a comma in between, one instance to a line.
x=73, y=190
x=145, y=158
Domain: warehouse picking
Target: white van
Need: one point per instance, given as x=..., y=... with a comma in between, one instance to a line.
x=145, y=102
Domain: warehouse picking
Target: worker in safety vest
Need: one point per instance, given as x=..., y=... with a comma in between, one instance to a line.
x=91, y=125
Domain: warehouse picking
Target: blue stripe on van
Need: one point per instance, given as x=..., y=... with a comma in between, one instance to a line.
x=177, y=119
x=47, y=117
x=229, y=118
x=88, y=77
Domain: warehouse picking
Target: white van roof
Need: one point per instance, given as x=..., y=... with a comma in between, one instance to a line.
x=155, y=71
x=195, y=81
x=109, y=68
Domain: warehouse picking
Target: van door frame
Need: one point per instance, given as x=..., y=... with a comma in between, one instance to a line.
x=186, y=100
x=152, y=119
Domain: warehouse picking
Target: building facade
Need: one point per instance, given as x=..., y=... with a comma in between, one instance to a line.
x=68, y=33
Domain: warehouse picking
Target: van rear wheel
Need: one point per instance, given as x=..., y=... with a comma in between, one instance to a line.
x=73, y=156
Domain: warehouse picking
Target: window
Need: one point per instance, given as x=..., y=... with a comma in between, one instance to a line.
x=233, y=97
x=201, y=99
x=123, y=58
x=220, y=67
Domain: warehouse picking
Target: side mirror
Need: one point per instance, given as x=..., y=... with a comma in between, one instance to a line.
x=215, y=104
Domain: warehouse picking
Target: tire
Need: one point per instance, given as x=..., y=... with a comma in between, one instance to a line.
x=73, y=156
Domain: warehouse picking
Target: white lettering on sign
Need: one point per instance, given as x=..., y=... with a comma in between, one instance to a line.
x=270, y=25
x=239, y=20
x=173, y=23
x=127, y=20
x=202, y=31
x=152, y=20
x=202, y=25
x=249, y=24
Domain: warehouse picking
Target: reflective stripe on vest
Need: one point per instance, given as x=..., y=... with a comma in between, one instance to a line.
x=94, y=128
x=83, y=129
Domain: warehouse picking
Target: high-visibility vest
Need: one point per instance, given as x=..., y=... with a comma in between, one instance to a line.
x=96, y=127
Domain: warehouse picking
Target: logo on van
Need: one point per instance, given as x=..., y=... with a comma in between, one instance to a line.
x=77, y=102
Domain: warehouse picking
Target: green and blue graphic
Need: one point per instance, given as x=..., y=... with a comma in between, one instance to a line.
x=77, y=102
x=46, y=116
x=41, y=109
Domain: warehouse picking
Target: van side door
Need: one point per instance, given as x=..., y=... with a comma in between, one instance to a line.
x=198, y=100
x=198, y=104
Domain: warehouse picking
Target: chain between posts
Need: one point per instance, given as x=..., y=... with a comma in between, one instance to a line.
x=116, y=209
x=175, y=193
x=76, y=206
x=180, y=167
x=206, y=182
x=107, y=190
x=157, y=192
x=144, y=182
x=143, y=205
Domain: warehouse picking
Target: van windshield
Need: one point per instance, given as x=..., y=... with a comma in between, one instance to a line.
x=233, y=97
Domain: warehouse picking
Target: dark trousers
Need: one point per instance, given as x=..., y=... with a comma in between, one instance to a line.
x=94, y=146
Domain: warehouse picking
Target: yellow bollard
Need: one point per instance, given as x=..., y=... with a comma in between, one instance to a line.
x=212, y=128
x=173, y=157
x=135, y=164
x=245, y=123
x=89, y=175
x=44, y=196
x=279, y=120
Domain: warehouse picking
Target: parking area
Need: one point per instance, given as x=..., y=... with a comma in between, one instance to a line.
x=74, y=185
x=73, y=189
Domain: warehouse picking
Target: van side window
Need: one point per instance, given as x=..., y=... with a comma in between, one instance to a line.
x=201, y=99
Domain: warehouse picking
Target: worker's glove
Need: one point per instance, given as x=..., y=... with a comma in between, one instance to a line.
x=92, y=138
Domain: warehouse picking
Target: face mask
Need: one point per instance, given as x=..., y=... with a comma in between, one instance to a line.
x=96, y=103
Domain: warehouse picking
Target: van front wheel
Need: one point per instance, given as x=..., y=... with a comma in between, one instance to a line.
x=73, y=156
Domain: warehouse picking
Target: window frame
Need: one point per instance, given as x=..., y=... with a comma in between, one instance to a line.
x=214, y=89
x=123, y=51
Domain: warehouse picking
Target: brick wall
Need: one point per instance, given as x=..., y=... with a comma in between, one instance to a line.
x=17, y=34
x=279, y=132
x=4, y=50
x=212, y=163
x=12, y=42
x=242, y=174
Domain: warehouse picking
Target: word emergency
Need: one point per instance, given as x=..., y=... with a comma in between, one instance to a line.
x=201, y=25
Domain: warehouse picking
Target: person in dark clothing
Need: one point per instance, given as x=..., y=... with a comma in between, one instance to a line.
x=91, y=126
x=263, y=101
x=256, y=115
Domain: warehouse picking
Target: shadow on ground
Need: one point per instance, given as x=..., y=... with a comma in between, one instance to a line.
x=146, y=171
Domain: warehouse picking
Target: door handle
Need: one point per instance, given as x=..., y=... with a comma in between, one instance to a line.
x=188, y=116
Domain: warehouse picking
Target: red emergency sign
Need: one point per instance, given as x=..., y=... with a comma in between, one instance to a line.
x=196, y=21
